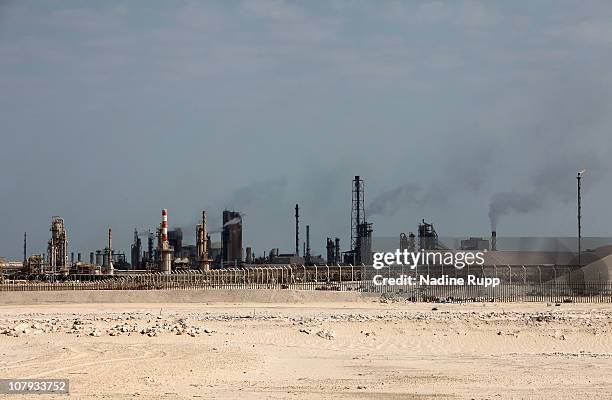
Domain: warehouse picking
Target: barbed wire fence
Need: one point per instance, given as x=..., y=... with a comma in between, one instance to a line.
x=516, y=282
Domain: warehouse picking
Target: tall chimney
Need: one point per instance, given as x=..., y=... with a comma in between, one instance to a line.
x=166, y=253
x=307, y=243
x=494, y=241
x=111, y=269
x=297, y=230
x=25, y=248
x=164, y=228
x=204, y=236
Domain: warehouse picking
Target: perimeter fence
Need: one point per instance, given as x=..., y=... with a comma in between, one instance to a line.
x=517, y=283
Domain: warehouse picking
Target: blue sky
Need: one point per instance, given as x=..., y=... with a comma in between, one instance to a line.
x=113, y=110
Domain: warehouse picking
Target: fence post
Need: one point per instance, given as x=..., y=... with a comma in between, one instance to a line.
x=510, y=273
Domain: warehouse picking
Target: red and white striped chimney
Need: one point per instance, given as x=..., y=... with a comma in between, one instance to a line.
x=164, y=226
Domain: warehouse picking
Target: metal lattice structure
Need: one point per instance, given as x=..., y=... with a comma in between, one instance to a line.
x=357, y=219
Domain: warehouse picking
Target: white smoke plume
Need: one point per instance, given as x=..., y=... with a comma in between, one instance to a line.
x=232, y=221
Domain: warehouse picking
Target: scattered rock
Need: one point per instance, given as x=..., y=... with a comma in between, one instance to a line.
x=327, y=334
x=21, y=327
x=193, y=331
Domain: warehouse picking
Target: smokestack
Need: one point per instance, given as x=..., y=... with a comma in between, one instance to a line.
x=297, y=230
x=307, y=243
x=357, y=183
x=166, y=254
x=204, y=236
x=111, y=270
x=164, y=228
x=25, y=247
x=79, y=257
x=72, y=257
x=91, y=257
x=579, y=177
x=494, y=241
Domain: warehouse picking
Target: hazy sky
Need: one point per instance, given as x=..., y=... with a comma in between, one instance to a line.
x=111, y=111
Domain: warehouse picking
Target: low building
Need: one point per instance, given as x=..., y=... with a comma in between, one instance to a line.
x=475, y=243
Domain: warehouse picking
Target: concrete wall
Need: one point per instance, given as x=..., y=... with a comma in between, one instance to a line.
x=181, y=296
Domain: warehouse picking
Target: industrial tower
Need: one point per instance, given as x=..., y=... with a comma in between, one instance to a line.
x=361, y=231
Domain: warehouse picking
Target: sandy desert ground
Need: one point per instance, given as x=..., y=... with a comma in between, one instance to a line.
x=372, y=349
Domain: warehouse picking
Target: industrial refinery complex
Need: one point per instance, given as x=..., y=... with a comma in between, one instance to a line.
x=164, y=251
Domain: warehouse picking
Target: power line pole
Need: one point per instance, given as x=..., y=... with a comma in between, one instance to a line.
x=579, y=178
x=297, y=230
